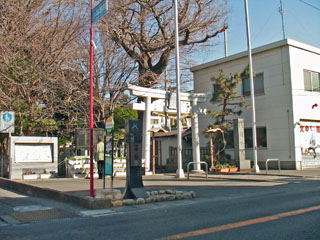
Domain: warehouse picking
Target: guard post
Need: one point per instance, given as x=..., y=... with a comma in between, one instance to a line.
x=135, y=171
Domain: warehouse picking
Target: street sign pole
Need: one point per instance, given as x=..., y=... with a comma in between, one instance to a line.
x=95, y=14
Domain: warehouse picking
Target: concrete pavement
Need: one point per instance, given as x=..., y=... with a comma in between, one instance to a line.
x=77, y=191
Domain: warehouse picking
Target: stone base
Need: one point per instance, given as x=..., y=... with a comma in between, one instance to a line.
x=180, y=173
x=149, y=173
x=197, y=171
x=108, y=194
x=244, y=164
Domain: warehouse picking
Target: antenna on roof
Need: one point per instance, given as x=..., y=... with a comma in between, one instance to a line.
x=282, y=12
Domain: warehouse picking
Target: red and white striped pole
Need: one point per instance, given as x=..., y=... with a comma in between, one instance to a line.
x=91, y=103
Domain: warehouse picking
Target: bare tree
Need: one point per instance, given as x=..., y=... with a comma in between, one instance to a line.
x=145, y=30
x=113, y=69
x=35, y=42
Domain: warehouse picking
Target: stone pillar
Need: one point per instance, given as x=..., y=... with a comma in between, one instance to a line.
x=239, y=144
x=195, y=138
x=146, y=134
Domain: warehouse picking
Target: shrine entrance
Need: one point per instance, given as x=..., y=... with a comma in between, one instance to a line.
x=156, y=104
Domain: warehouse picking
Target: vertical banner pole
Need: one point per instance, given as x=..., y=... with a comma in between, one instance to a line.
x=104, y=157
x=112, y=157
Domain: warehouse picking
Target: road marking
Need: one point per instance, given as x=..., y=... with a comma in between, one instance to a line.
x=240, y=224
x=29, y=208
x=98, y=212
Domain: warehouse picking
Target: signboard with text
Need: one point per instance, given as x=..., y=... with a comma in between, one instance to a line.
x=310, y=140
x=99, y=10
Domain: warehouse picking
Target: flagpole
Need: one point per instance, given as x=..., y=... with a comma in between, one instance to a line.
x=179, y=173
x=254, y=126
x=91, y=103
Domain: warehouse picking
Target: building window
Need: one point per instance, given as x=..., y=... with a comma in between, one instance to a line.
x=261, y=137
x=216, y=88
x=229, y=139
x=311, y=81
x=258, y=85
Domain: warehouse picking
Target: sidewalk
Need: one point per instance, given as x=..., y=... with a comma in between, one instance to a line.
x=77, y=191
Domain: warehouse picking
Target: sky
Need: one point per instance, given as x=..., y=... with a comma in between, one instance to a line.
x=301, y=23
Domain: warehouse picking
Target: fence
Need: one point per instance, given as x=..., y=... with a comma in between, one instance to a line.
x=186, y=157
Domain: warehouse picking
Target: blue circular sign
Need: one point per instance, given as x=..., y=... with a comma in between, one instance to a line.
x=7, y=117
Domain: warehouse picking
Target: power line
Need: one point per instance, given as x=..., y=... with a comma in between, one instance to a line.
x=310, y=5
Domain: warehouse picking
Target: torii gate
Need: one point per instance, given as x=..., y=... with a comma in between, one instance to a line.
x=189, y=105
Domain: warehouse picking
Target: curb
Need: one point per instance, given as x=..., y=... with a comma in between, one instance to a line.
x=86, y=202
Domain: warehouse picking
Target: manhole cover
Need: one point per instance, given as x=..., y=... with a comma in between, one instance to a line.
x=41, y=215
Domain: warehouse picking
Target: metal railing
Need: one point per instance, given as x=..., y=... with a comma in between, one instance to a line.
x=202, y=162
x=272, y=160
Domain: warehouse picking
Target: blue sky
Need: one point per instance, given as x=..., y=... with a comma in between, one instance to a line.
x=301, y=20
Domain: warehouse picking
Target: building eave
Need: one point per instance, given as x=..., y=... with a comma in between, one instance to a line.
x=281, y=43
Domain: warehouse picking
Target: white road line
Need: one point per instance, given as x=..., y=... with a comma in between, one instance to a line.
x=29, y=208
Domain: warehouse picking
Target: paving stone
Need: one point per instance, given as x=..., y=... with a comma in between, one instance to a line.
x=170, y=197
x=170, y=191
x=193, y=194
x=178, y=197
x=108, y=194
x=117, y=203
x=128, y=202
x=186, y=196
x=161, y=192
x=140, y=201
x=153, y=193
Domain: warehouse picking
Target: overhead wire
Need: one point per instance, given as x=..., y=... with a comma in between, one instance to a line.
x=310, y=5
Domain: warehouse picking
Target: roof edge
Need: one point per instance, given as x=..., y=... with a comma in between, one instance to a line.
x=284, y=42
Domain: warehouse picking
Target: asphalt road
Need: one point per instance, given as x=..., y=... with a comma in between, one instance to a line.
x=282, y=209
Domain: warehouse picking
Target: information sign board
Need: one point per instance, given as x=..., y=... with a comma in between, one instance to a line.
x=108, y=166
x=109, y=124
x=33, y=153
x=7, y=122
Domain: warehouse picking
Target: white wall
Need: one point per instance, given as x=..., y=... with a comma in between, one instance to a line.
x=273, y=109
x=303, y=100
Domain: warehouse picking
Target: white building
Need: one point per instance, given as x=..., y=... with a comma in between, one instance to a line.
x=287, y=96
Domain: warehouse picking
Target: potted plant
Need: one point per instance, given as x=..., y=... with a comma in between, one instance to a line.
x=233, y=168
x=29, y=175
x=218, y=167
x=45, y=175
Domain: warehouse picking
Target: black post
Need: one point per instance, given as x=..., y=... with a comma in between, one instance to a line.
x=104, y=160
x=112, y=158
x=134, y=182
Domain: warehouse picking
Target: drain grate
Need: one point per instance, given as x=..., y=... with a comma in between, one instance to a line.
x=41, y=215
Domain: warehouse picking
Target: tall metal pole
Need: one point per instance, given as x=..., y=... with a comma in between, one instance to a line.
x=179, y=173
x=282, y=12
x=254, y=127
x=225, y=42
x=91, y=103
